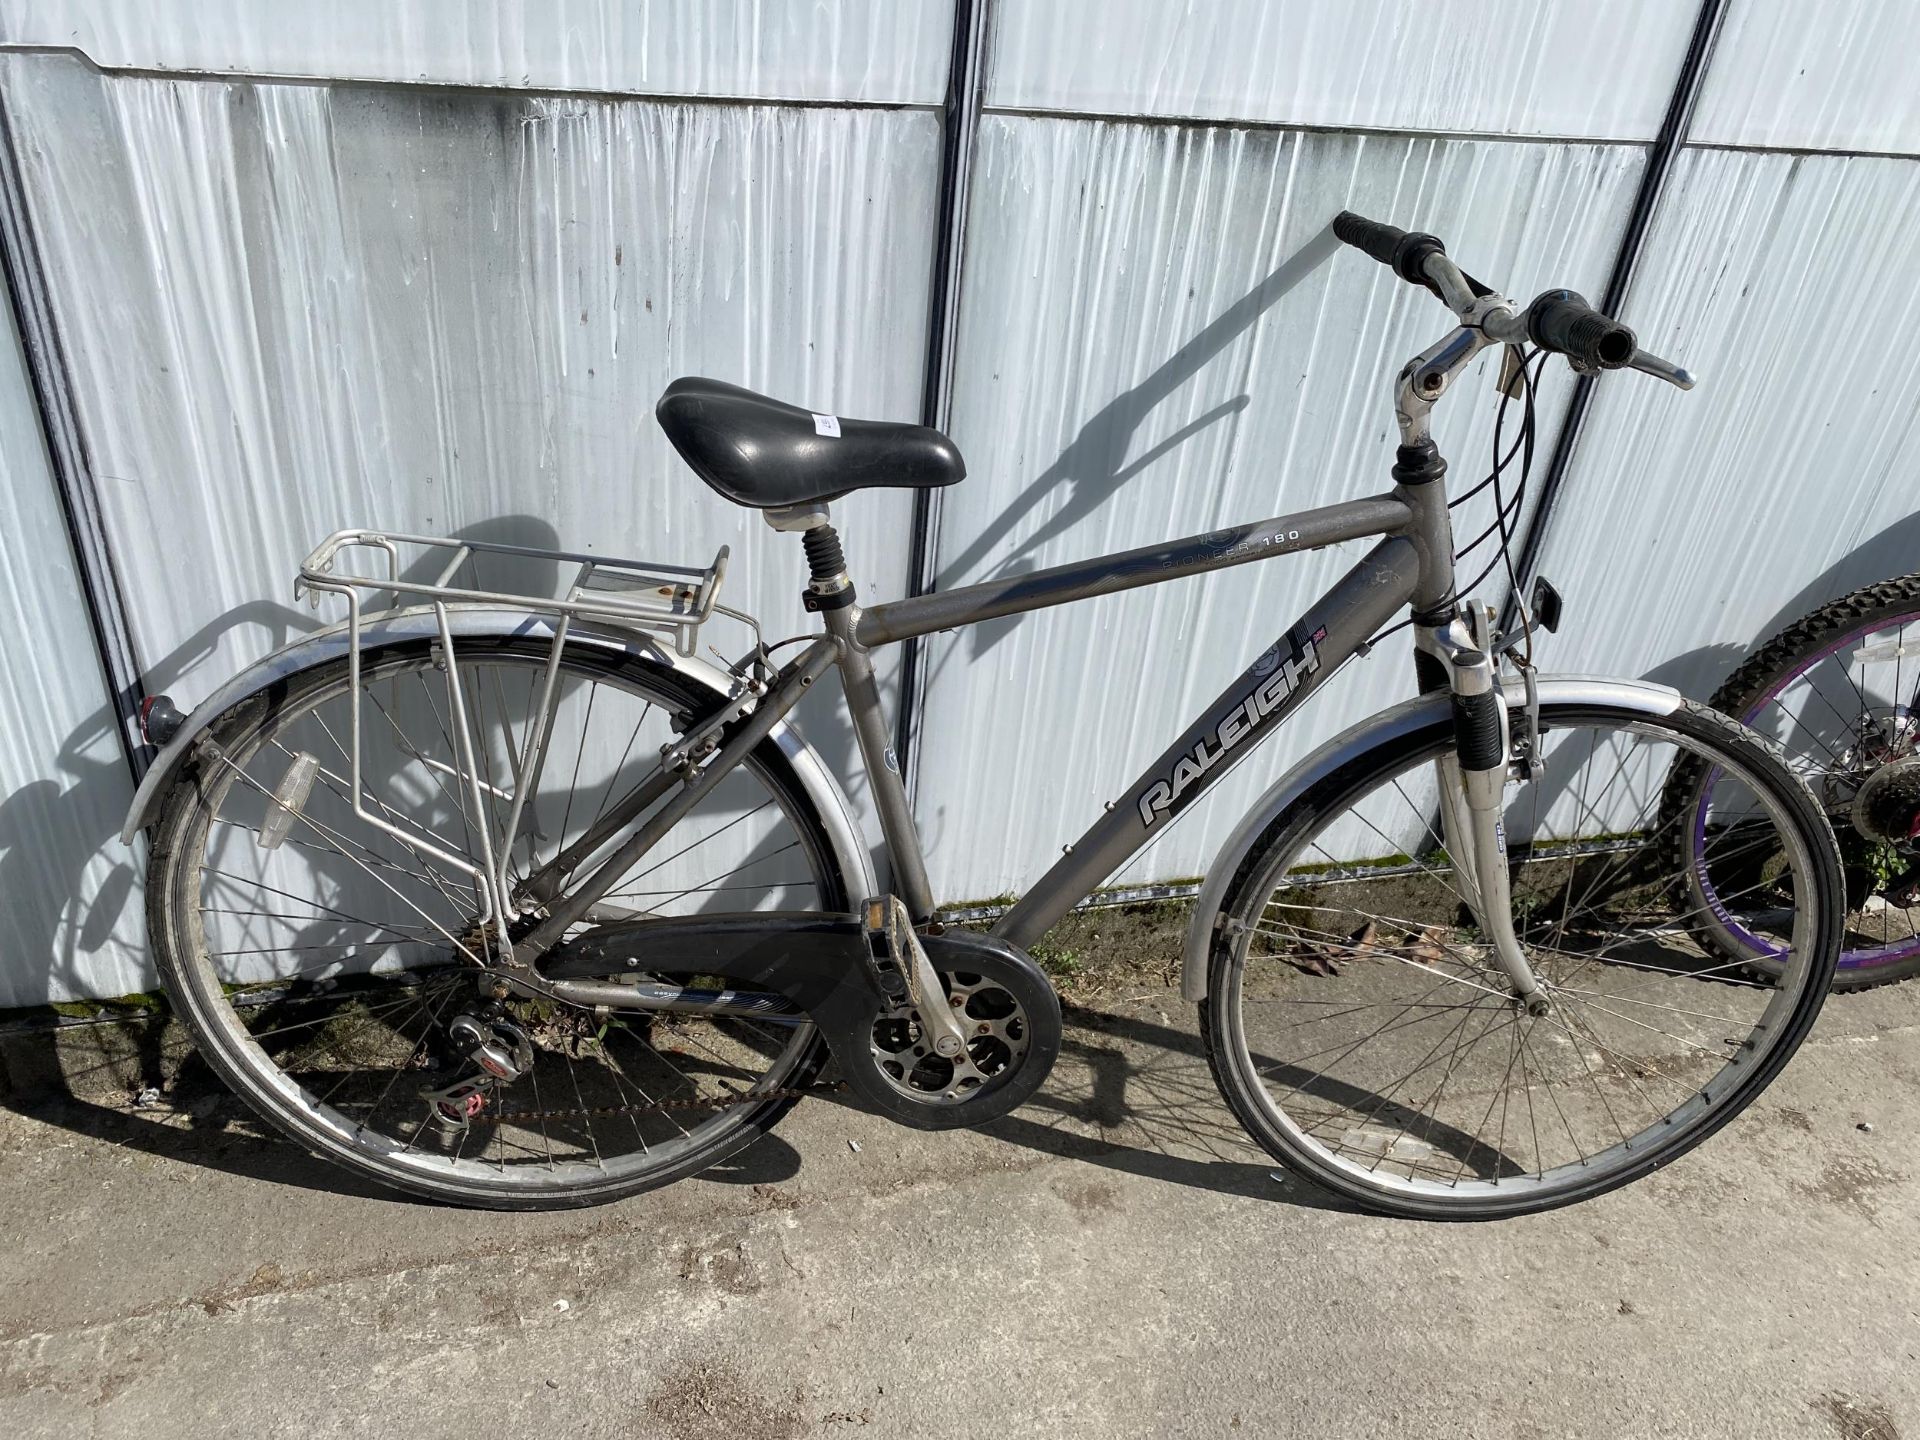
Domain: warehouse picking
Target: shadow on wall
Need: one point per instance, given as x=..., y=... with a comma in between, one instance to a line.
x=64, y=937
x=1894, y=551
x=70, y=936
x=1095, y=465
x=1093, y=468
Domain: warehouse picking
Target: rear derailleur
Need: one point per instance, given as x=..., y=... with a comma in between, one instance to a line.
x=486, y=1050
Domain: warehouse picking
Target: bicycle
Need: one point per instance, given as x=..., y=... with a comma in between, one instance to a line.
x=512, y=901
x=1831, y=690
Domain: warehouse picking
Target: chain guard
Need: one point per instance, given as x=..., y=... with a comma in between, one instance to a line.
x=818, y=964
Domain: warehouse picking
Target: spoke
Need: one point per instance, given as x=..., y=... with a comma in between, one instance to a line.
x=377, y=925
x=710, y=835
x=708, y=887
x=419, y=1048
x=579, y=752
x=1496, y=1021
x=454, y=805
x=606, y=791
x=1664, y=1034
x=315, y=825
x=1565, y=1124
x=1378, y=954
x=342, y=786
x=311, y=849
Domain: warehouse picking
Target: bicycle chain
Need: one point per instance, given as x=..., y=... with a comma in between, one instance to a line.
x=652, y=1107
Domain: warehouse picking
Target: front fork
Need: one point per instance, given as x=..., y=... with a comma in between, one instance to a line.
x=1472, y=795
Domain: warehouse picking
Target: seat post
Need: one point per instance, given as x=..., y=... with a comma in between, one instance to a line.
x=830, y=594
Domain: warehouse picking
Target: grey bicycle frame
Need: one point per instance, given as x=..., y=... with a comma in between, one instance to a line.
x=1392, y=575
x=1412, y=565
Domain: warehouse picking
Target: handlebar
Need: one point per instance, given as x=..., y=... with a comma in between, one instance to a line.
x=1559, y=321
x=1406, y=254
x=1564, y=323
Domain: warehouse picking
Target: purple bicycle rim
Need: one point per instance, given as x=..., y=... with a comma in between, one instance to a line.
x=1849, y=959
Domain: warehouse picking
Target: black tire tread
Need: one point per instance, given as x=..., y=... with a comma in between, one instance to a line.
x=1789, y=648
x=176, y=813
x=1705, y=724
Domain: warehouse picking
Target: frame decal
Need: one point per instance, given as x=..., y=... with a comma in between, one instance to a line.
x=1277, y=680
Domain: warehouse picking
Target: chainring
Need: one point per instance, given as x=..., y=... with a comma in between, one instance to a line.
x=1012, y=1018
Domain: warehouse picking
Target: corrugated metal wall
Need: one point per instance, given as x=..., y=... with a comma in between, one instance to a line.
x=70, y=918
x=441, y=289
x=290, y=307
x=1138, y=356
x=1780, y=267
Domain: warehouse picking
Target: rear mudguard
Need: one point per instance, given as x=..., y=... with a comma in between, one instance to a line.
x=1349, y=745
x=817, y=963
x=490, y=622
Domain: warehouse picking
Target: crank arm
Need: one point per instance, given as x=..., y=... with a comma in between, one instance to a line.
x=891, y=940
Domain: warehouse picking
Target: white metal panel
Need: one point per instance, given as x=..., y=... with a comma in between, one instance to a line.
x=876, y=51
x=1130, y=371
x=1694, y=525
x=1836, y=76
x=70, y=917
x=1522, y=67
x=290, y=309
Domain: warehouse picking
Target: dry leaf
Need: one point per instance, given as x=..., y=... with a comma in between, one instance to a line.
x=1426, y=948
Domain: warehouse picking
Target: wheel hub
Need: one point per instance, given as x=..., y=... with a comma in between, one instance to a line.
x=1887, y=805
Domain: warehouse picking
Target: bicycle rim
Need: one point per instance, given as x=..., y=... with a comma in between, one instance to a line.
x=321, y=972
x=1841, y=712
x=1365, y=1034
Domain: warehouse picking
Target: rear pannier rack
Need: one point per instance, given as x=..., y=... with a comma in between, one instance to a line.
x=668, y=600
x=671, y=600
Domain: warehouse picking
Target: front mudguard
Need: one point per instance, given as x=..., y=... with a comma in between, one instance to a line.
x=1349, y=745
x=411, y=626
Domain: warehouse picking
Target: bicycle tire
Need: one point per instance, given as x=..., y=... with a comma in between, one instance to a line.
x=1747, y=691
x=240, y=1064
x=1238, y=1066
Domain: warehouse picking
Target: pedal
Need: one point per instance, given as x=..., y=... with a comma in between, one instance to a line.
x=898, y=963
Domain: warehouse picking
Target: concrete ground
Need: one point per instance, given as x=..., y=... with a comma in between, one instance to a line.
x=1111, y=1261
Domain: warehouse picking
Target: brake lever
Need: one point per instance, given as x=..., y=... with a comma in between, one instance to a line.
x=1512, y=369
x=1660, y=369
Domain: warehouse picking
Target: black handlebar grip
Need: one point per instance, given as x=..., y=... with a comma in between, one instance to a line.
x=1564, y=323
x=1379, y=241
x=1405, y=253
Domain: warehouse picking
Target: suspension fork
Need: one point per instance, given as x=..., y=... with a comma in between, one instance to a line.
x=1473, y=791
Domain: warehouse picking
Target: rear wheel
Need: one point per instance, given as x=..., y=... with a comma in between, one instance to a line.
x=1360, y=1028
x=1837, y=691
x=331, y=978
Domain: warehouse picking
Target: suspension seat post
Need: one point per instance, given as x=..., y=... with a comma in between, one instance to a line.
x=830, y=593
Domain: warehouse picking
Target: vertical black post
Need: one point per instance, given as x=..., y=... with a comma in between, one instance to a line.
x=1666, y=149
x=959, y=117
x=28, y=295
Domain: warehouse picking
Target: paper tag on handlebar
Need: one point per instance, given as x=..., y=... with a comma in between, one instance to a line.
x=1511, y=369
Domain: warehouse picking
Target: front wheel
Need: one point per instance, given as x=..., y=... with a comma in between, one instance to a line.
x=1361, y=1030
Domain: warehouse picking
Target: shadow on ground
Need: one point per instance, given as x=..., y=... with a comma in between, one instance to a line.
x=1130, y=1093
